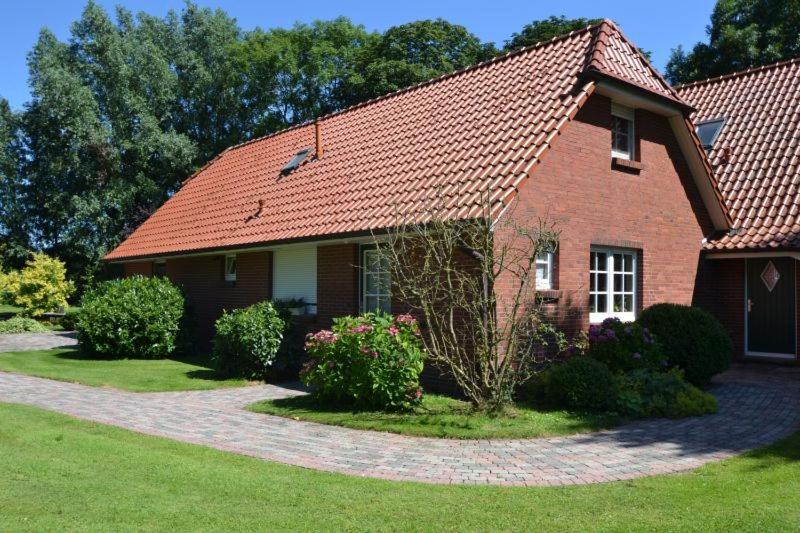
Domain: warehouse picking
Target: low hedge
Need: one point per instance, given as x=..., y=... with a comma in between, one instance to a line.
x=20, y=324
x=692, y=340
x=136, y=317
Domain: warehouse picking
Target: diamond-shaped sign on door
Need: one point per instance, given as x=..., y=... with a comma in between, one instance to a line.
x=770, y=276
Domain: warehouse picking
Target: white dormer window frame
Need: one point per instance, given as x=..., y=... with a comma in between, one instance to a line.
x=623, y=133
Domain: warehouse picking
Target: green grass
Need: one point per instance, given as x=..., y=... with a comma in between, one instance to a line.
x=7, y=311
x=60, y=473
x=440, y=416
x=138, y=375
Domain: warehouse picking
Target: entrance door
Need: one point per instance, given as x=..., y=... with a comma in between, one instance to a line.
x=771, y=325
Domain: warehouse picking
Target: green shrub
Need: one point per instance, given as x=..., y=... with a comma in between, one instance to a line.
x=247, y=341
x=692, y=339
x=70, y=319
x=581, y=383
x=20, y=324
x=135, y=317
x=41, y=287
x=625, y=346
x=662, y=394
x=372, y=361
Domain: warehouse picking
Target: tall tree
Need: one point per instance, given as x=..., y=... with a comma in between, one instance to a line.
x=13, y=236
x=412, y=53
x=742, y=34
x=544, y=30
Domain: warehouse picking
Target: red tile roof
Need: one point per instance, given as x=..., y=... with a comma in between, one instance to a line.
x=462, y=135
x=756, y=157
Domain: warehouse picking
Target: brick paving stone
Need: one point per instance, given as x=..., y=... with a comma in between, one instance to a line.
x=755, y=409
x=37, y=341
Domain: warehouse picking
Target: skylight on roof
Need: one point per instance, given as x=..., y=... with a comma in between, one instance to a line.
x=708, y=131
x=295, y=161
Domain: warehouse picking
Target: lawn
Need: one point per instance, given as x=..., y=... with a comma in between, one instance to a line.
x=440, y=416
x=7, y=311
x=138, y=375
x=61, y=473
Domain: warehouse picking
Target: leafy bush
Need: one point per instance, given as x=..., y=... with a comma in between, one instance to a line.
x=372, y=361
x=625, y=346
x=647, y=393
x=70, y=319
x=247, y=341
x=41, y=287
x=135, y=317
x=693, y=340
x=580, y=383
x=20, y=324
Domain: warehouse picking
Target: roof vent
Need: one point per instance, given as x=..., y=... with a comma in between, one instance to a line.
x=295, y=161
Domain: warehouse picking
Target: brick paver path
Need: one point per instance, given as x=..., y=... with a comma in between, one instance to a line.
x=754, y=411
x=37, y=341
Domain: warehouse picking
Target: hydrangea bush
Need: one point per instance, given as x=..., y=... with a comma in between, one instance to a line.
x=625, y=346
x=372, y=361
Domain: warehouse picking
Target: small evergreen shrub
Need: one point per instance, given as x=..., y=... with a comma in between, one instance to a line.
x=692, y=339
x=20, y=324
x=372, y=361
x=247, y=341
x=41, y=287
x=136, y=317
x=644, y=393
x=581, y=383
x=625, y=346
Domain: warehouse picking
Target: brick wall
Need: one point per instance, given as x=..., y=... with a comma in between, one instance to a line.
x=657, y=211
x=207, y=293
x=721, y=293
x=337, y=282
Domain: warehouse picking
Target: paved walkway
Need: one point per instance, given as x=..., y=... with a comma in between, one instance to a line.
x=754, y=411
x=37, y=341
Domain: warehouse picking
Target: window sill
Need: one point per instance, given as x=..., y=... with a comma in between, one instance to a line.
x=627, y=165
x=549, y=295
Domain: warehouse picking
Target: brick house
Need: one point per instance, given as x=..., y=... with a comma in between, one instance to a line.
x=580, y=130
x=749, y=123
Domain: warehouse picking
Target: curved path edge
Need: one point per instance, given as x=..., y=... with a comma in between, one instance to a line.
x=754, y=411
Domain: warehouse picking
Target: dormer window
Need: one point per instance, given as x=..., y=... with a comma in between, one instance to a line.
x=622, y=132
x=708, y=131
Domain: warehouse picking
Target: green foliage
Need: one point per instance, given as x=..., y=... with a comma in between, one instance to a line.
x=544, y=30
x=135, y=317
x=70, y=319
x=20, y=324
x=41, y=287
x=581, y=383
x=742, y=34
x=247, y=341
x=372, y=361
x=625, y=346
x=692, y=339
x=663, y=394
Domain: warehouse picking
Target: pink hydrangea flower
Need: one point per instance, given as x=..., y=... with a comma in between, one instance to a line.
x=406, y=319
x=393, y=330
x=362, y=328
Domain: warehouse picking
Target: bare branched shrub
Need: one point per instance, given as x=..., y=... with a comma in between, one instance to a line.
x=472, y=284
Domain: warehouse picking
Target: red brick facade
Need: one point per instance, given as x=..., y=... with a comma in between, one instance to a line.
x=656, y=210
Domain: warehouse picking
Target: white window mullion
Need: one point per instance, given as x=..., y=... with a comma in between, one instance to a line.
x=612, y=289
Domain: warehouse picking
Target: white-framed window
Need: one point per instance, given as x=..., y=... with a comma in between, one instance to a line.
x=230, y=268
x=544, y=271
x=612, y=284
x=622, y=132
x=376, y=282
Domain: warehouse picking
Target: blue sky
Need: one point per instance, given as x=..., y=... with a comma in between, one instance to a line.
x=654, y=26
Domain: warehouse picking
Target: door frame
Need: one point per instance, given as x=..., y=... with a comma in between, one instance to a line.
x=767, y=355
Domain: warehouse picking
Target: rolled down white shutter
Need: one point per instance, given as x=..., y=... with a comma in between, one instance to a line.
x=295, y=275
